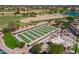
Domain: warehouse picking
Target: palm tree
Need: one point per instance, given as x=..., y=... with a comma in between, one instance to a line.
x=57, y=24
x=62, y=28
x=70, y=19
x=76, y=47
x=65, y=25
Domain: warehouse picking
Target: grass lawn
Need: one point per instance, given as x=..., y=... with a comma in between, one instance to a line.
x=6, y=19
x=24, y=38
x=9, y=40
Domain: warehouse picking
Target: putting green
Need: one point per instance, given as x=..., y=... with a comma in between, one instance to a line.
x=35, y=33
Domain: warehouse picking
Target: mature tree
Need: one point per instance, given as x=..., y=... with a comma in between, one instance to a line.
x=13, y=25
x=5, y=29
x=2, y=14
x=20, y=44
x=33, y=14
x=23, y=9
x=50, y=11
x=17, y=11
x=55, y=48
x=70, y=19
x=36, y=49
x=61, y=11
x=25, y=14
x=76, y=45
x=65, y=25
x=58, y=22
x=55, y=10
x=2, y=8
x=62, y=24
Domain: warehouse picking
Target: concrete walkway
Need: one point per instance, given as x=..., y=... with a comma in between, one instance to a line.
x=10, y=51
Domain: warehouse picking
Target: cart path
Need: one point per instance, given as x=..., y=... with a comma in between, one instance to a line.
x=10, y=51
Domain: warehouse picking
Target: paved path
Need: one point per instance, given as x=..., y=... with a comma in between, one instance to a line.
x=10, y=51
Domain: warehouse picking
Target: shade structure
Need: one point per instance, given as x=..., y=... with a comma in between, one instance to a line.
x=68, y=44
x=57, y=40
x=78, y=45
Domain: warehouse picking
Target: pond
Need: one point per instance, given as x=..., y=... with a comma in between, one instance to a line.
x=2, y=52
x=72, y=13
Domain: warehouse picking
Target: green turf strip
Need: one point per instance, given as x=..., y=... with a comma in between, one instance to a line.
x=28, y=35
x=42, y=30
x=50, y=28
x=24, y=38
x=38, y=32
x=39, y=29
x=33, y=33
x=46, y=29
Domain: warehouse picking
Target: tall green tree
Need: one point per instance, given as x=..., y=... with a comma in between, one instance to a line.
x=17, y=11
x=33, y=14
x=55, y=48
x=65, y=25
x=5, y=29
x=70, y=19
x=13, y=25
x=76, y=45
x=20, y=44
x=36, y=49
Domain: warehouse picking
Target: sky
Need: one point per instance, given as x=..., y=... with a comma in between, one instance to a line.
x=39, y=2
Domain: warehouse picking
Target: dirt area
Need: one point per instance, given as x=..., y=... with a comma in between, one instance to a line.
x=44, y=17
